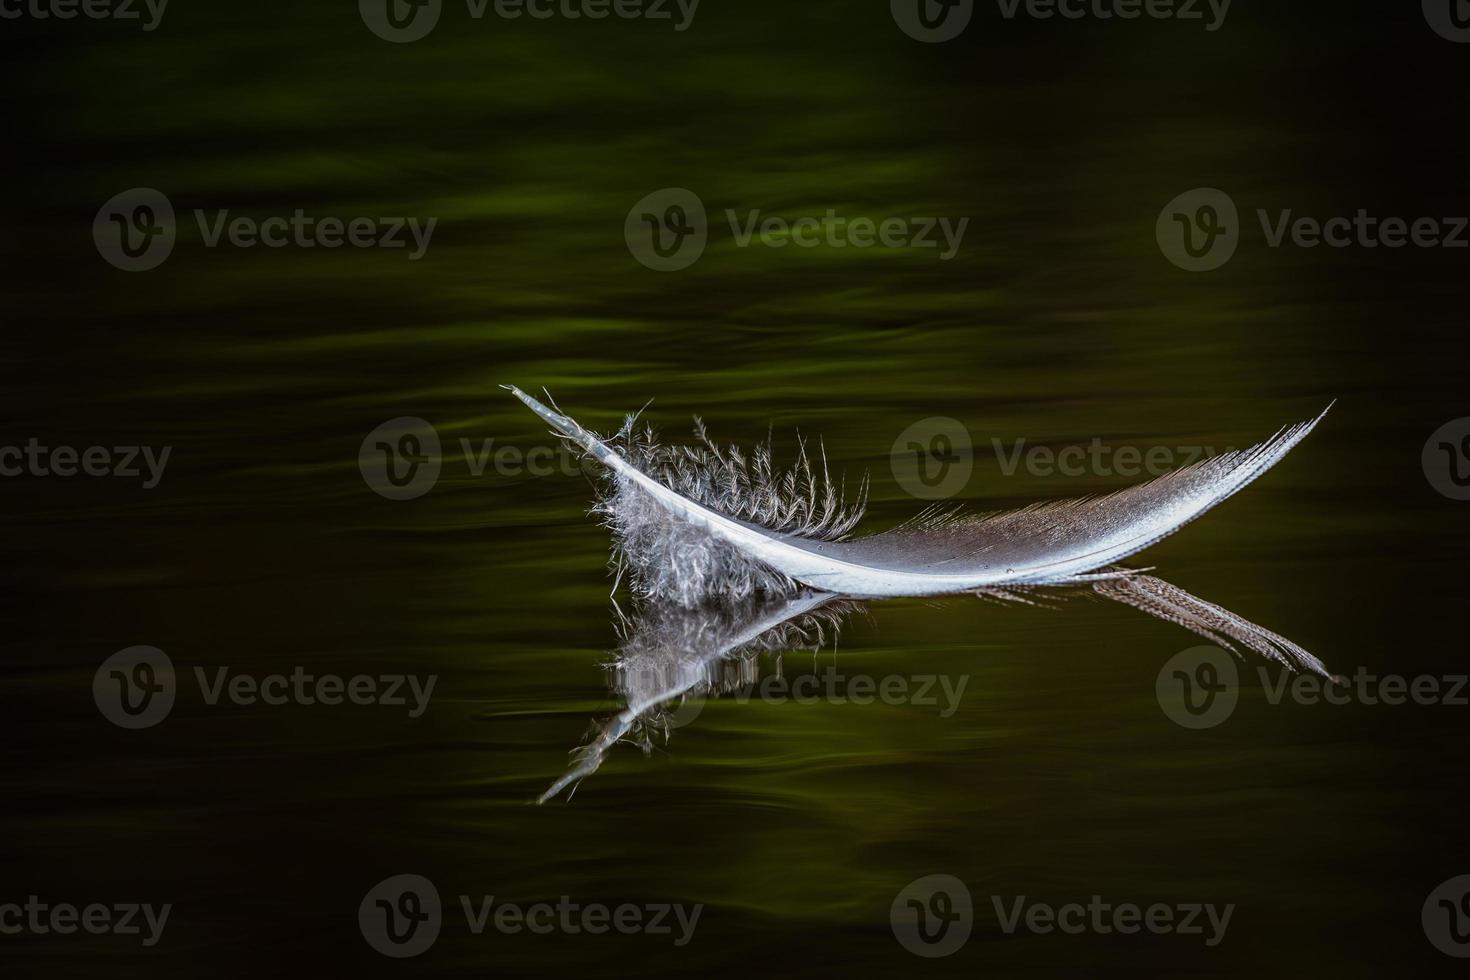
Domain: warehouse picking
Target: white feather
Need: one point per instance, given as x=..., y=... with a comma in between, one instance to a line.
x=1055, y=543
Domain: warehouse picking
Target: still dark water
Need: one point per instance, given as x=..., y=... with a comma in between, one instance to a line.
x=1055, y=776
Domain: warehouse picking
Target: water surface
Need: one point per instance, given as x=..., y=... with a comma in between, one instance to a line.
x=1056, y=777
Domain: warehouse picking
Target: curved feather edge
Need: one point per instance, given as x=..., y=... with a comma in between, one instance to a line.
x=1054, y=543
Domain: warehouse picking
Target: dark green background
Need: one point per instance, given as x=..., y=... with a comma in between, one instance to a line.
x=1060, y=320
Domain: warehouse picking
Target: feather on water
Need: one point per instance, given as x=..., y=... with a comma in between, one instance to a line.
x=692, y=522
